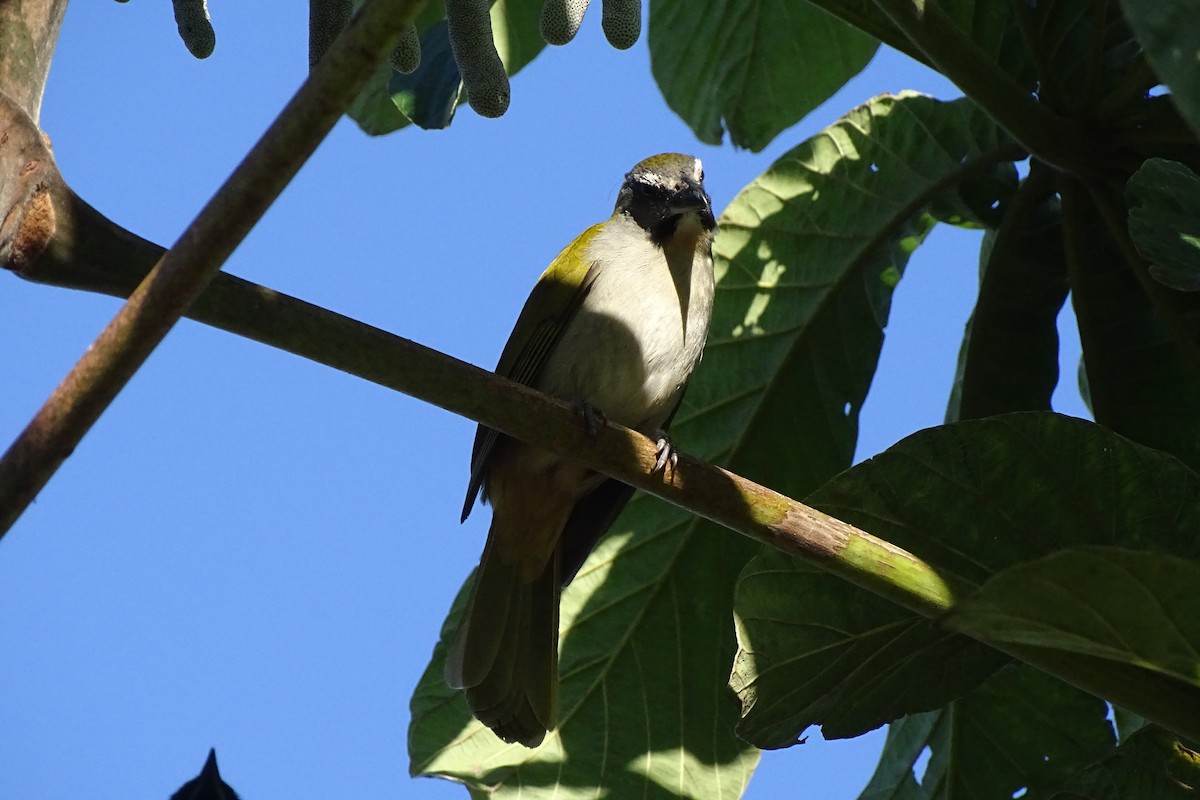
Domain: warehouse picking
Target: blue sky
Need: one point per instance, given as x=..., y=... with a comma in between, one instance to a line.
x=254, y=552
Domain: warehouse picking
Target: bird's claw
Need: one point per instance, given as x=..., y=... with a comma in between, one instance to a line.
x=667, y=455
x=593, y=418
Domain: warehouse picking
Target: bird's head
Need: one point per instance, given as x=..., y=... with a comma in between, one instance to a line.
x=661, y=191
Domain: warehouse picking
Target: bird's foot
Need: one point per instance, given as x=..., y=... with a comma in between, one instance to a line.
x=593, y=418
x=668, y=456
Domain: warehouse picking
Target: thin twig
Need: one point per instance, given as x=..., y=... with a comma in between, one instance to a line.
x=184, y=271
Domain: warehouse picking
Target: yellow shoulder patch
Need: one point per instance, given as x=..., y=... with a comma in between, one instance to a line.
x=553, y=298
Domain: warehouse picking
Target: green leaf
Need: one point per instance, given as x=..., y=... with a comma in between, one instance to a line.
x=1138, y=608
x=1022, y=730
x=1127, y=722
x=373, y=109
x=1140, y=352
x=980, y=199
x=821, y=238
x=1164, y=197
x=1059, y=51
x=848, y=666
x=895, y=775
x=430, y=95
x=970, y=499
x=642, y=654
x=646, y=634
x=1009, y=356
x=754, y=67
x=1169, y=30
x=975, y=497
x=1081, y=50
x=867, y=17
x=1151, y=765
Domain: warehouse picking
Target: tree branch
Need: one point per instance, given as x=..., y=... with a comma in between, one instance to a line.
x=28, y=34
x=183, y=272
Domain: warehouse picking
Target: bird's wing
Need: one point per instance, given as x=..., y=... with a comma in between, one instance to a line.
x=595, y=513
x=553, y=302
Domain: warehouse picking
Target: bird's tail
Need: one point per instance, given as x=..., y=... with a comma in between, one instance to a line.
x=505, y=653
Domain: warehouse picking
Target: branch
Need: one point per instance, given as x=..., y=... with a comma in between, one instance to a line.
x=183, y=272
x=28, y=33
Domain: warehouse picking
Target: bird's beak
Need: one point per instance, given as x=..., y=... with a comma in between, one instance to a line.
x=692, y=198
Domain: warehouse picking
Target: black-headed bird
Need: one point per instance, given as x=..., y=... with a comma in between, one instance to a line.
x=615, y=325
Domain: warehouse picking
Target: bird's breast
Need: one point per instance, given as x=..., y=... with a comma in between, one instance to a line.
x=639, y=332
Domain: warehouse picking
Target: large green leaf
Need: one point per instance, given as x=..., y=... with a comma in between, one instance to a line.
x=1169, y=30
x=823, y=235
x=427, y=97
x=1141, y=344
x=754, y=67
x=1021, y=734
x=430, y=95
x=1056, y=50
x=1080, y=50
x=895, y=775
x=806, y=261
x=970, y=499
x=1137, y=608
x=1164, y=221
x=847, y=666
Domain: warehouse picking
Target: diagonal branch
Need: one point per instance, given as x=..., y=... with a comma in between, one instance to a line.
x=184, y=271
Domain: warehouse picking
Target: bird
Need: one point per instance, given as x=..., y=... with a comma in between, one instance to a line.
x=615, y=326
